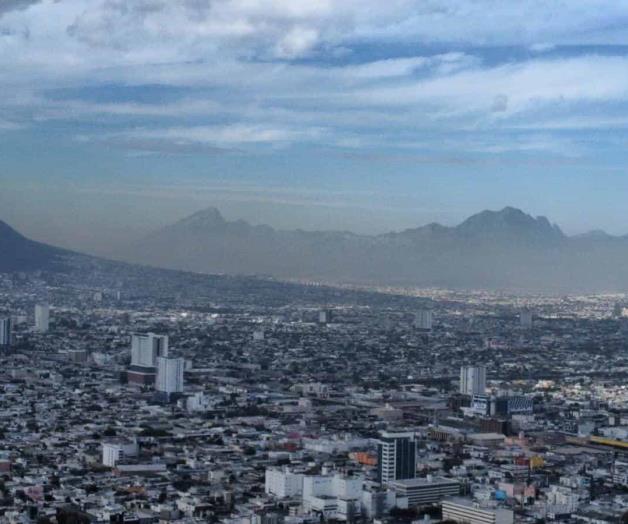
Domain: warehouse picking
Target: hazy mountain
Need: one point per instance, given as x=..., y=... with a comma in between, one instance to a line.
x=18, y=253
x=505, y=249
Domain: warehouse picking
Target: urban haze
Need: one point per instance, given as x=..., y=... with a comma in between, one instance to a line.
x=313, y=261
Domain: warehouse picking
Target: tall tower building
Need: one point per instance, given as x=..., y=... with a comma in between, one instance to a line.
x=396, y=454
x=145, y=350
x=526, y=318
x=473, y=380
x=5, y=333
x=42, y=318
x=424, y=319
x=170, y=375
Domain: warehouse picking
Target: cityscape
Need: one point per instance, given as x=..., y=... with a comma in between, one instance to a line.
x=247, y=400
x=313, y=262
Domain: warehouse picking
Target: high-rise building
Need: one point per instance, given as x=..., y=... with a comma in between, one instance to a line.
x=424, y=319
x=145, y=350
x=396, y=453
x=473, y=380
x=526, y=318
x=170, y=375
x=42, y=317
x=5, y=332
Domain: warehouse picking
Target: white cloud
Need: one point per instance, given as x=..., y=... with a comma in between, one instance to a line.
x=239, y=66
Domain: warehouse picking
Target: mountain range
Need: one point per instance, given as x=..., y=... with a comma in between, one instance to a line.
x=18, y=253
x=505, y=250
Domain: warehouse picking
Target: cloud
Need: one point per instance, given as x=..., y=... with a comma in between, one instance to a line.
x=280, y=72
x=12, y=5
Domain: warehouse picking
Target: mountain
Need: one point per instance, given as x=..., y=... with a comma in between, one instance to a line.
x=506, y=249
x=18, y=253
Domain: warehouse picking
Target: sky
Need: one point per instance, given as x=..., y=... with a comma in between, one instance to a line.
x=120, y=116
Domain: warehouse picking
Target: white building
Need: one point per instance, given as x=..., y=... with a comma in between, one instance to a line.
x=469, y=512
x=42, y=318
x=170, y=375
x=334, y=497
x=199, y=402
x=424, y=319
x=116, y=450
x=282, y=483
x=424, y=491
x=473, y=380
x=146, y=348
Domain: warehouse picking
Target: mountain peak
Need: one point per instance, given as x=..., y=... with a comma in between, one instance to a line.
x=209, y=217
x=509, y=221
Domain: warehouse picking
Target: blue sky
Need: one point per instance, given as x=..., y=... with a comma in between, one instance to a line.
x=119, y=116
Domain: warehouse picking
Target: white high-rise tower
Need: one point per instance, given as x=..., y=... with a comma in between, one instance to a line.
x=42, y=317
x=170, y=375
x=473, y=380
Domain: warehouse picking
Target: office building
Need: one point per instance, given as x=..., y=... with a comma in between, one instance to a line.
x=42, y=318
x=324, y=316
x=469, y=512
x=396, y=453
x=473, y=380
x=116, y=450
x=170, y=375
x=282, y=483
x=5, y=333
x=333, y=496
x=424, y=319
x=515, y=405
x=526, y=318
x=145, y=350
x=424, y=491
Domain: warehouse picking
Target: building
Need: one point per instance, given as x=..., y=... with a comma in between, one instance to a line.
x=114, y=451
x=396, y=456
x=42, y=318
x=424, y=319
x=145, y=350
x=5, y=333
x=526, y=318
x=424, y=491
x=514, y=405
x=170, y=375
x=282, y=483
x=332, y=496
x=473, y=380
x=324, y=316
x=469, y=512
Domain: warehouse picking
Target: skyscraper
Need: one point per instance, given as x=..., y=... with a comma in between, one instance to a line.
x=170, y=375
x=145, y=350
x=473, y=380
x=5, y=332
x=525, y=318
x=42, y=318
x=396, y=453
x=424, y=319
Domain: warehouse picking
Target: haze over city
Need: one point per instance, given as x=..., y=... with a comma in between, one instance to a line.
x=313, y=262
x=119, y=118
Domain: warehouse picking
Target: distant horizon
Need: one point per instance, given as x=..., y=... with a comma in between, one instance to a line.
x=231, y=219
x=364, y=116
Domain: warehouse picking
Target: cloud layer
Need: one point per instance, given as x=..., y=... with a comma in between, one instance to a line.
x=434, y=76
